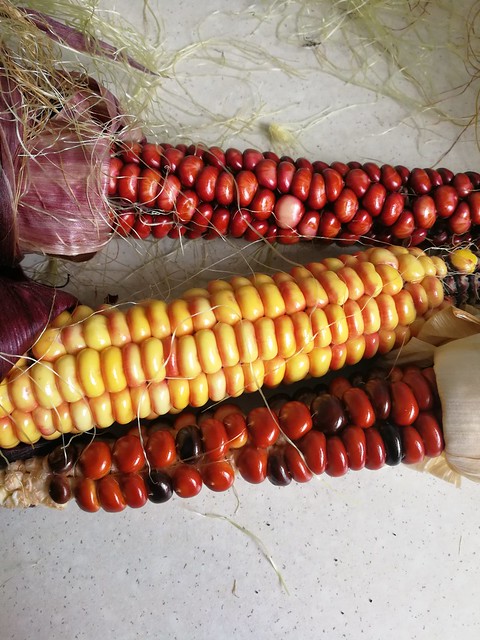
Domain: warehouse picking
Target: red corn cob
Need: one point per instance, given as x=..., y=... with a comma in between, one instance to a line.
x=164, y=190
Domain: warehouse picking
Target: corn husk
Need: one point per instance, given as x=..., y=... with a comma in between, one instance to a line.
x=450, y=340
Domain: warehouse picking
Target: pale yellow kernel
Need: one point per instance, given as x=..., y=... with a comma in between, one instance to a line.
x=405, y=308
x=179, y=393
x=391, y=279
x=302, y=328
x=378, y=256
x=319, y=361
x=266, y=340
x=336, y=289
x=217, y=386
x=225, y=307
x=250, y=302
x=440, y=266
x=6, y=405
x=195, y=292
x=235, y=380
x=313, y=292
x=463, y=260
x=67, y=380
x=62, y=418
x=316, y=268
x=138, y=323
x=274, y=371
x=8, y=436
x=122, y=409
x=370, y=314
x=428, y=265
x=299, y=273
x=62, y=319
x=95, y=331
x=157, y=314
x=239, y=281
x=111, y=363
x=292, y=296
x=410, y=268
x=388, y=311
x=354, y=283
x=180, y=319
x=261, y=278
x=199, y=391
x=386, y=340
x=81, y=413
x=117, y=327
x=153, y=361
x=159, y=397
x=337, y=322
x=246, y=341
x=398, y=250
x=297, y=368
x=273, y=302
x=49, y=345
x=132, y=365
x=433, y=290
x=44, y=384
x=102, y=411
x=89, y=373
x=141, y=404
x=355, y=350
x=332, y=264
x=25, y=428
x=322, y=335
x=21, y=392
x=226, y=344
x=53, y=436
x=207, y=350
x=285, y=336
x=253, y=375
x=201, y=313
x=188, y=364
x=215, y=286
x=81, y=312
x=73, y=338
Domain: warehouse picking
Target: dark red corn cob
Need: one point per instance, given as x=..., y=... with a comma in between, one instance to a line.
x=194, y=191
x=364, y=422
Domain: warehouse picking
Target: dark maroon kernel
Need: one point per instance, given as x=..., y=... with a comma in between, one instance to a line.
x=188, y=442
x=305, y=395
x=59, y=489
x=327, y=413
x=62, y=459
x=392, y=441
x=277, y=401
x=277, y=470
x=159, y=487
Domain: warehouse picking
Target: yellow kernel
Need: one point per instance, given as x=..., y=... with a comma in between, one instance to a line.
x=440, y=266
x=463, y=260
x=265, y=337
x=402, y=336
x=62, y=418
x=353, y=315
x=272, y=299
x=319, y=361
x=44, y=383
x=188, y=365
x=410, y=268
x=300, y=273
x=235, y=380
x=195, y=292
x=199, y=391
x=370, y=313
x=398, y=251
x=215, y=286
x=122, y=409
x=391, y=278
x=419, y=297
x=225, y=307
x=353, y=281
x=339, y=356
x=141, y=401
x=293, y=297
x=302, y=328
x=259, y=279
x=246, y=341
x=433, y=290
x=281, y=276
x=102, y=410
x=405, y=308
x=80, y=313
x=388, y=311
x=180, y=319
x=337, y=322
x=239, y=281
x=117, y=327
x=25, y=428
x=153, y=362
x=371, y=280
x=67, y=381
x=157, y=314
x=62, y=319
x=82, y=418
x=132, y=365
x=249, y=302
x=179, y=393
x=73, y=338
x=8, y=436
x=333, y=264
x=226, y=344
x=355, y=350
x=285, y=336
x=21, y=391
x=322, y=335
x=349, y=260
x=274, y=371
x=49, y=345
x=386, y=340
x=90, y=372
x=337, y=290
x=95, y=331
x=159, y=397
x=111, y=363
x=254, y=375
x=380, y=256
x=428, y=265
x=6, y=405
x=313, y=292
x=297, y=368
x=138, y=323
x=207, y=350
x=201, y=313
x=316, y=268
x=217, y=386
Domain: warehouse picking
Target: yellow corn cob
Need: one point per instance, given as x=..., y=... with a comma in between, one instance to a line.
x=94, y=368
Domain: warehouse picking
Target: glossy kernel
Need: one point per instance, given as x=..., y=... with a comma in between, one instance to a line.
x=252, y=464
x=295, y=419
x=128, y=454
x=218, y=476
x=263, y=427
x=95, y=460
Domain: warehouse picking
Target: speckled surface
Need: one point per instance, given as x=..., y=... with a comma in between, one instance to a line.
x=373, y=554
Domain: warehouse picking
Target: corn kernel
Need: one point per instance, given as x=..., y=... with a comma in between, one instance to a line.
x=157, y=314
x=159, y=397
x=440, y=266
x=322, y=335
x=405, y=308
x=246, y=341
x=387, y=339
x=199, y=391
x=179, y=393
x=132, y=365
x=428, y=265
x=370, y=313
x=275, y=371
x=6, y=405
x=44, y=383
x=62, y=319
x=419, y=297
x=313, y=292
x=90, y=372
x=21, y=392
x=337, y=290
x=67, y=381
x=249, y=302
x=353, y=315
x=259, y=279
x=371, y=280
x=254, y=375
x=339, y=356
x=388, y=311
x=302, y=329
x=102, y=411
x=117, y=327
x=285, y=336
x=297, y=368
x=8, y=436
x=353, y=281
x=188, y=364
x=217, y=386
x=355, y=350
x=292, y=296
x=215, y=286
x=95, y=331
x=62, y=418
x=333, y=264
x=433, y=290
x=226, y=344
x=141, y=401
x=235, y=380
x=49, y=345
x=180, y=319
x=272, y=299
x=225, y=307
x=379, y=256
x=138, y=323
x=410, y=268
x=319, y=361
x=122, y=408
x=82, y=418
x=337, y=322
x=265, y=338
x=73, y=338
x=25, y=427
x=207, y=350
x=463, y=260
x=201, y=313
x=391, y=279
x=153, y=364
